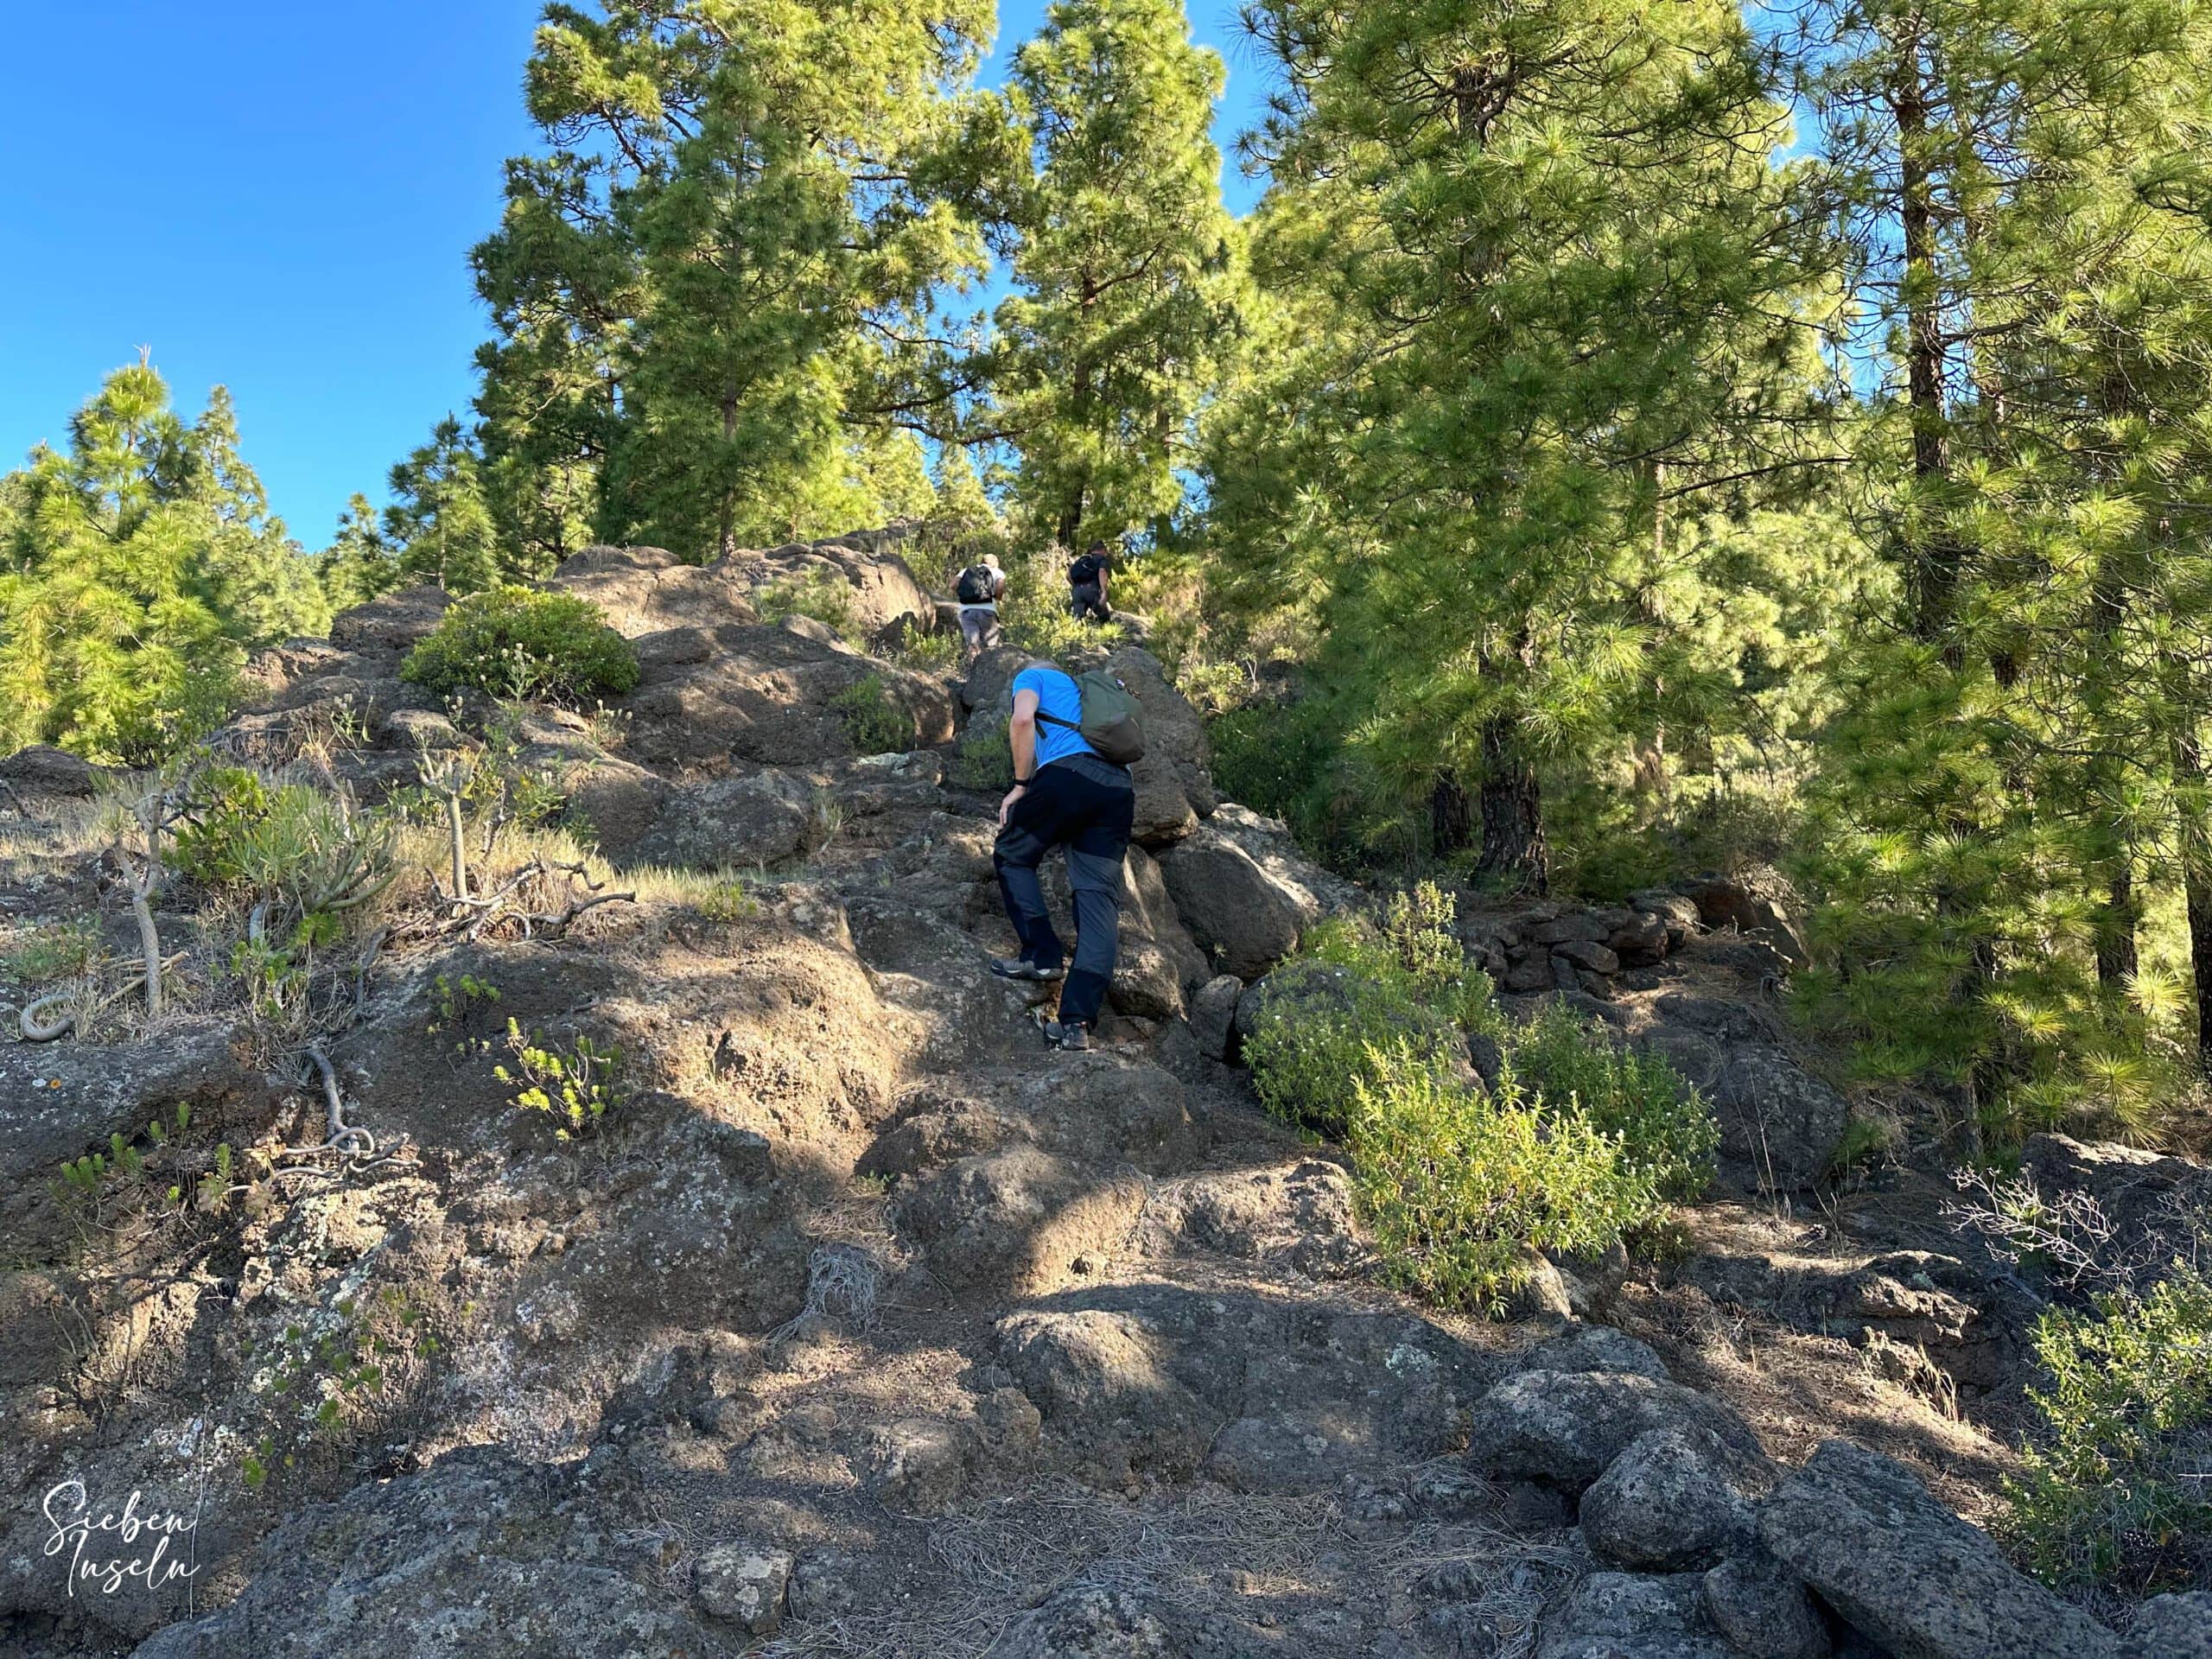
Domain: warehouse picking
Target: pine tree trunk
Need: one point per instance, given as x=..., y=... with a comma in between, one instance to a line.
x=2116, y=953
x=1514, y=853
x=1451, y=815
x=2196, y=884
x=1933, y=573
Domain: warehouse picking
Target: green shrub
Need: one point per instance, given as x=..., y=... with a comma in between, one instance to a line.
x=875, y=720
x=579, y=1088
x=984, y=761
x=306, y=856
x=519, y=644
x=818, y=591
x=2115, y=1493
x=1359, y=988
x=1667, y=1128
x=1458, y=1184
x=728, y=901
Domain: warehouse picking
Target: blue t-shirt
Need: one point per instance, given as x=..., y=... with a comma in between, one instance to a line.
x=1056, y=695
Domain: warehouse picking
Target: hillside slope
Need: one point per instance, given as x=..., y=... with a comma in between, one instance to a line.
x=869, y=1328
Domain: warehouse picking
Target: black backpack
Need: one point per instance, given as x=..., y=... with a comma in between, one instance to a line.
x=1084, y=573
x=975, y=585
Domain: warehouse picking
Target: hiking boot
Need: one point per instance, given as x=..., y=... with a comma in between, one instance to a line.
x=1015, y=967
x=1072, y=1038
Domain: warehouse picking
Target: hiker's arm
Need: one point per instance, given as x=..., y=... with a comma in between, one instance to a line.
x=1021, y=733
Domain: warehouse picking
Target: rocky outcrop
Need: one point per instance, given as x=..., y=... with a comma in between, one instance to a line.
x=1245, y=892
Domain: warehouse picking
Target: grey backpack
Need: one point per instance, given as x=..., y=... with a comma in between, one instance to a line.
x=1112, y=720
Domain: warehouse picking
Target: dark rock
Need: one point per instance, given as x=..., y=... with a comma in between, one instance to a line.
x=1583, y=954
x=1565, y=1427
x=1676, y=1499
x=1623, y=1615
x=1102, y=1382
x=762, y=818
x=1244, y=891
x=1088, y=1621
x=1598, y=1348
x=2172, y=1627
x=1869, y=1539
x=1576, y=926
x=1213, y=1015
x=1780, y=1125
x=1763, y=1612
x=44, y=771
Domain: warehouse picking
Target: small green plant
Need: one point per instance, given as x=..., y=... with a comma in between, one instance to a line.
x=728, y=901
x=124, y=1179
x=519, y=644
x=1666, y=1128
x=874, y=721
x=983, y=760
x=60, y=950
x=463, y=1004
x=2115, y=1489
x=1458, y=1184
x=934, y=653
x=818, y=592
x=579, y=1087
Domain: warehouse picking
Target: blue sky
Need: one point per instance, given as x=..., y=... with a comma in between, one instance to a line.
x=282, y=198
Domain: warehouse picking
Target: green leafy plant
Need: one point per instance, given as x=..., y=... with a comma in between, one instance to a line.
x=519, y=644
x=463, y=1003
x=1667, y=1128
x=726, y=901
x=60, y=950
x=2113, y=1490
x=818, y=591
x=983, y=760
x=1458, y=1184
x=874, y=721
x=578, y=1087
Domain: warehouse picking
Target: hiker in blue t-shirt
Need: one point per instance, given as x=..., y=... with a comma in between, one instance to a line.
x=1065, y=795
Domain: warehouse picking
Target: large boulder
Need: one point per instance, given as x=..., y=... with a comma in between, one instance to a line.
x=1676, y=1499
x=1870, y=1540
x=1245, y=892
x=1623, y=1615
x=1565, y=1427
x=1101, y=1381
x=43, y=772
x=1762, y=1610
x=761, y=817
x=1019, y=1219
x=647, y=589
x=1780, y=1125
x=2172, y=1627
x=482, y=1554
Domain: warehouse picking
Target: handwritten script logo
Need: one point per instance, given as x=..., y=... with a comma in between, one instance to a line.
x=156, y=1543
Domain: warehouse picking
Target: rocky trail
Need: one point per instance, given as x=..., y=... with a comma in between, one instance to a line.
x=869, y=1328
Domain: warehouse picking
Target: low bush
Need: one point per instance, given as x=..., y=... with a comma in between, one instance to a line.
x=306, y=856
x=2115, y=1490
x=579, y=1087
x=818, y=591
x=519, y=644
x=984, y=761
x=875, y=720
x=1399, y=984
x=1667, y=1128
x=1458, y=1184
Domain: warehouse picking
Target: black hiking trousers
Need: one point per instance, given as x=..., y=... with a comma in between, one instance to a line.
x=1086, y=806
x=1086, y=600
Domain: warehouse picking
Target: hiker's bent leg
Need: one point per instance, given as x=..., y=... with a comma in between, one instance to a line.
x=1096, y=855
x=1097, y=883
x=1030, y=833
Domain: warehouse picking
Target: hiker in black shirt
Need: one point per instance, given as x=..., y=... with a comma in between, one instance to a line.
x=1087, y=584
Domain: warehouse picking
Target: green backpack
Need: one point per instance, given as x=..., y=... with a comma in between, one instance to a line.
x=1112, y=722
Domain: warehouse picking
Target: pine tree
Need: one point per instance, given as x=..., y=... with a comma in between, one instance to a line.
x=709, y=292
x=1559, y=305
x=2008, y=770
x=439, y=517
x=136, y=569
x=361, y=563
x=1124, y=308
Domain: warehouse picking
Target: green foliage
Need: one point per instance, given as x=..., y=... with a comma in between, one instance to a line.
x=463, y=1005
x=516, y=643
x=1358, y=990
x=1035, y=614
x=2113, y=1490
x=439, y=518
x=136, y=570
x=703, y=291
x=984, y=760
x=875, y=722
x=1667, y=1130
x=160, y=1176
x=818, y=591
x=362, y=563
x=728, y=901
x=1458, y=1184
x=59, y=951
x=307, y=854
x=1124, y=298
x=578, y=1087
